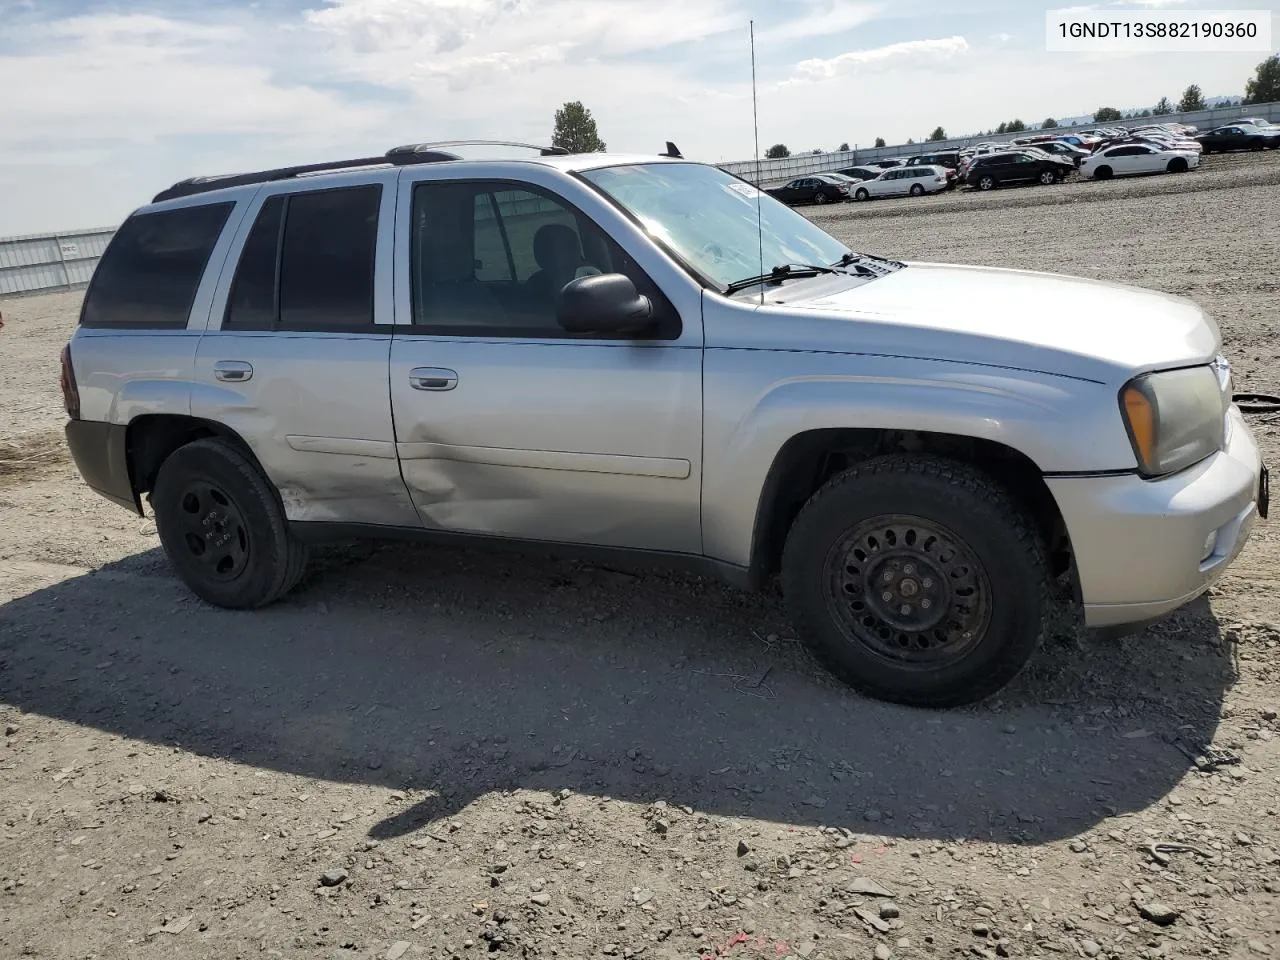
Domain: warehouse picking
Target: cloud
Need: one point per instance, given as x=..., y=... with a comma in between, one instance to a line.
x=1002, y=37
x=822, y=19
x=1151, y=4
x=895, y=54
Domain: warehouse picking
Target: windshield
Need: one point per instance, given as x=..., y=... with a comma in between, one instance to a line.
x=708, y=218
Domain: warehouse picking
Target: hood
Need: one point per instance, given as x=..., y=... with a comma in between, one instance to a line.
x=1013, y=318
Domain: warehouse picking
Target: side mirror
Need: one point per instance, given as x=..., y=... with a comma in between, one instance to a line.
x=607, y=303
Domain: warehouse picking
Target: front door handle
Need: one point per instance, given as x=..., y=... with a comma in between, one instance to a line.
x=433, y=378
x=233, y=371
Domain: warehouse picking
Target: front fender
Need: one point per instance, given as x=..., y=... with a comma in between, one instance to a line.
x=757, y=401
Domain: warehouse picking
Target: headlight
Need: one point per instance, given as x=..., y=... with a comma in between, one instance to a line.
x=1175, y=418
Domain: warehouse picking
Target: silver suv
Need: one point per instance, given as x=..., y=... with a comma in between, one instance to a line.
x=646, y=355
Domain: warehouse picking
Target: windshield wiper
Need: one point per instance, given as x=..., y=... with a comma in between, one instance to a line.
x=851, y=259
x=783, y=271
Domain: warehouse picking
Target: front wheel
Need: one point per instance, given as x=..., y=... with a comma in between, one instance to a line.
x=1103, y=173
x=861, y=194
x=917, y=580
x=1177, y=165
x=916, y=190
x=1048, y=178
x=223, y=527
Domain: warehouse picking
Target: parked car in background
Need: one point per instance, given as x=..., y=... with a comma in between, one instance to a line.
x=862, y=173
x=903, y=181
x=949, y=162
x=888, y=164
x=1132, y=158
x=1083, y=142
x=819, y=188
x=1239, y=136
x=1063, y=150
x=989, y=172
x=948, y=158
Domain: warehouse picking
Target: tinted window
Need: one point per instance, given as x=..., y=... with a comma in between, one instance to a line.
x=490, y=260
x=308, y=263
x=151, y=269
x=326, y=259
x=252, y=303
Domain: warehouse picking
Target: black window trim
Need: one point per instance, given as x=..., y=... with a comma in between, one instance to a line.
x=373, y=327
x=473, y=332
x=183, y=327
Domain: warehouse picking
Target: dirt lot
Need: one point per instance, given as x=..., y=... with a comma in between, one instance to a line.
x=434, y=753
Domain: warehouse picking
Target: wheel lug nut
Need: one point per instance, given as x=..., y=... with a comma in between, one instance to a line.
x=909, y=568
x=926, y=604
x=927, y=582
x=905, y=609
x=888, y=577
x=886, y=596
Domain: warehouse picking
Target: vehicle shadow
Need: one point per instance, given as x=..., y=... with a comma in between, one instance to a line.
x=458, y=673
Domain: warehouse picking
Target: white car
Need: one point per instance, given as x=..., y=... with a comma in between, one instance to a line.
x=1130, y=158
x=900, y=181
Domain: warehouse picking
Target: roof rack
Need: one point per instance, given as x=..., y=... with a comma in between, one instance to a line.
x=398, y=156
x=413, y=152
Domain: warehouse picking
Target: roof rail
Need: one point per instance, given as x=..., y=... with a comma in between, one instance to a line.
x=411, y=152
x=194, y=185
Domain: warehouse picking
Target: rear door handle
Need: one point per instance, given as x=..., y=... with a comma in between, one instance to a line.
x=233, y=371
x=433, y=378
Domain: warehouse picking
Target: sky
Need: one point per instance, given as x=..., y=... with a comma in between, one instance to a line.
x=105, y=102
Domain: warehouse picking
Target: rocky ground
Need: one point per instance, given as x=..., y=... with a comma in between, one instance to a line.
x=435, y=753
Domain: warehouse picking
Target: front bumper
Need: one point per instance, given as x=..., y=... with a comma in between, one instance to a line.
x=1140, y=546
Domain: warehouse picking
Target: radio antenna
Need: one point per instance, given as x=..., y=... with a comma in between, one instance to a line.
x=755, y=123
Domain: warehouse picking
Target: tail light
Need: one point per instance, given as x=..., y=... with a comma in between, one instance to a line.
x=67, y=380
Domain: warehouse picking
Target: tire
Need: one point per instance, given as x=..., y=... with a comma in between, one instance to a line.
x=819, y=198
x=1205, y=150
x=1103, y=173
x=914, y=510
x=986, y=183
x=861, y=194
x=223, y=527
x=916, y=190
x=1177, y=165
x=1048, y=178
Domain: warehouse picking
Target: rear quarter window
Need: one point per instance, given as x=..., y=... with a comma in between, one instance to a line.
x=151, y=269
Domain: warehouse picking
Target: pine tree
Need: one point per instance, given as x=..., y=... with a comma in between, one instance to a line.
x=575, y=130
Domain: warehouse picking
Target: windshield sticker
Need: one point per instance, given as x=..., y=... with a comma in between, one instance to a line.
x=743, y=189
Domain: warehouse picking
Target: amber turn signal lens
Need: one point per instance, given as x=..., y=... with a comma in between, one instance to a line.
x=1142, y=425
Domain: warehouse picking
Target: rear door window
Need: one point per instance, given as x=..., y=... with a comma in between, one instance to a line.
x=149, y=274
x=308, y=263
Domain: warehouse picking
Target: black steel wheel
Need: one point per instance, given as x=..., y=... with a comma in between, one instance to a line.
x=223, y=526
x=909, y=590
x=918, y=580
x=213, y=531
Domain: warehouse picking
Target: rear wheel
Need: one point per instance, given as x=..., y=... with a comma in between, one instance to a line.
x=986, y=183
x=917, y=580
x=916, y=190
x=1103, y=173
x=1178, y=165
x=861, y=194
x=223, y=527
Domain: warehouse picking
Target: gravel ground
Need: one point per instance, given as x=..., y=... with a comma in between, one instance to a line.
x=438, y=753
